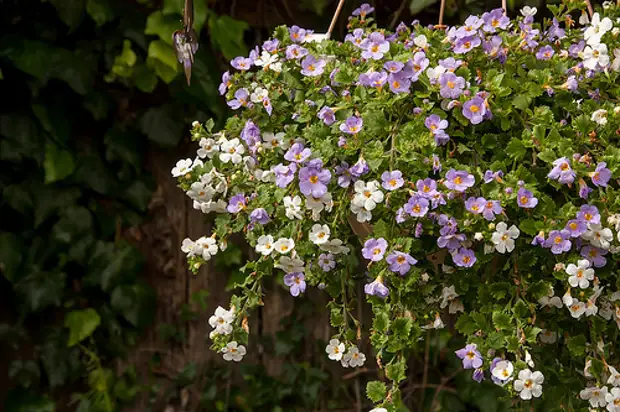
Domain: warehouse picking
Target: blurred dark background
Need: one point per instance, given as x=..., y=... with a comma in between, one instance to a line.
x=97, y=309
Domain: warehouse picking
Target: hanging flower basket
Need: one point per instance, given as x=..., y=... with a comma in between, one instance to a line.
x=472, y=169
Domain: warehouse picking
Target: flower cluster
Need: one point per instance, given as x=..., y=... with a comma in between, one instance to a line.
x=474, y=171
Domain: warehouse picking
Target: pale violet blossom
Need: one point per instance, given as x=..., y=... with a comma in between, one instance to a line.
x=233, y=351
x=529, y=384
x=335, y=350
x=504, y=237
x=581, y=274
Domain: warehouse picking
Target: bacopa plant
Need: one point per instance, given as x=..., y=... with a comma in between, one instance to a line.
x=466, y=172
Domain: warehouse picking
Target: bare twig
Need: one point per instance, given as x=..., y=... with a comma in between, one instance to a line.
x=442, y=8
x=397, y=14
x=355, y=373
x=504, y=7
x=334, y=19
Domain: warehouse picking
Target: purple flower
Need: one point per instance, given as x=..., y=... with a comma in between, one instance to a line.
x=526, y=199
x=584, y=189
x=539, y=239
x=392, y=180
x=327, y=115
x=295, y=52
x=464, y=258
x=313, y=179
x=360, y=168
x=297, y=153
x=363, y=10
x=576, y=227
x=474, y=110
x=558, y=241
x=241, y=63
x=490, y=176
x=495, y=19
x=399, y=83
x=417, y=206
x=260, y=215
x=470, y=27
x=601, y=175
x=472, y=359
x=545, y=53
x=327, y=262
x=377, y=288
x=375, y=46
x=267, y=105
x=495, y=380
x=555, y=31
x=344, y=175
x=284, y=174
x=450, y=63
x=241, y=99
x=426, y=188
x=475, y=205
x=400, y=262
x=594, y=255
x=296, y=282
x=562, y=172
x=373, y=79
x=400, y=215
x=478, y=375
x=342, y=141
x=459, y=180
x=491, y=208
x=451, y=85
x=393, y=67
x=356, y=37
x=466, y=44
x=251, y=135
x=352, y=125
x=435, y=124
x=589, y=214
x=450, y=241
x=493, y=49
x=374, y=249
x=310, y=66
x=436, y=164
x=223, y=87
x=237, y=203
x=297, y=34
x=417, y=65
x=419, y=230
x=271, y=45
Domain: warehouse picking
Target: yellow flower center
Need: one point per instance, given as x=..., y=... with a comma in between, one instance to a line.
x=474, y=108
x=314, y=179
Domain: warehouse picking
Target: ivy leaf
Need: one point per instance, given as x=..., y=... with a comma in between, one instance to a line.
x=38, y=290
x=163, y=125
x=100, y=11
x=10, y=255
x=577, y=345
x=70, y=12
x=161, y=25
x=162, y=59
x=81, y=324
x=376, y=391
x=23, y=400
x=136, y=303
x=58, y=163
x=229, y=38
x=25, y=372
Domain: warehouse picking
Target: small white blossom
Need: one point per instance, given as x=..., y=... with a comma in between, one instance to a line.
x=284, y=245
x=189, y=247
x=201, y=192
x=221, y=321
x=292, y=207
x=528, y=359
x=208, y=148
x=615, y=66
x=291, y=264
x=528, y=11
x=335, y=350
x=264, y=245
x=595, y=395
x=218, y=206
x=567, y=299
x=598, y=236
x=503, y=238
x=529, y=384
x=584, y=19
x=182, y=167
x=550, y=300
x=233, y=351
x=273, y=141
x=614, y=376
x=599, y=117
x=580, y=275
x=269, y=61
x=232, y=151
x=478, y=236
x=448, y=294
x=353, y=358
x=420, y=41
x=378, y=410
x=503, y=370
x=207, y=247
x=367, y=195
x=319, y=234
x=259, y=94
x=548, y=336
x=594, y=56
x=433, y=73
x=577, y=308
x=597, y=29
x=317, y=205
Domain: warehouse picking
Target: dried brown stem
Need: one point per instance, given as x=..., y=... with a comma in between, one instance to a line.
x=335, y=18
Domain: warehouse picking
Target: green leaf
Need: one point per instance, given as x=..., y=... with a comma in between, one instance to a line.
x=61, y=364
x=417, y=6
x=520, y=309
x=229, y=38
x=531, y=334
x=547, y=156
x=336, y=319
x=381, y=321
x=465, y=324
x=499, y=290
x=376, y=391
x=529, y=227
x=58, y=163
x=162, y=59
x=401, y=327
x=10, y=255
x=81, y=324
x=162, y=25
x=577, y=345
x=145, y=78
x=100, y=11
x=516, y=149
x=396, y=370
x=200, y=11
x=38, y=290
x=136, y=303
x=23, y=400
x=163, y=125
x=70, y=12
x=501, y=321
x=521, y=101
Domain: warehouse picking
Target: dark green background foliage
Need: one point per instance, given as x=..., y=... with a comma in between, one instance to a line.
x=88, y=89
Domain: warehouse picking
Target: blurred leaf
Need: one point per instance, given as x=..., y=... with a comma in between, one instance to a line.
x=41, y=289
x=10, y=255
x=81, y=324
x=54, y=121
x=123, y=63
x=110, y=265
x=316, y=6
x=100, y=11
x=376, y=391
x=177, y=6
x=139, y=194
x=417, y=6
x=23, y=400
x=163, y=125
x=162, y=58
x=75, y=222
x=145, y=78
x=70, y=12
x=58, y=163
x=60, y=363
x=162, y=25
x=228, y=35
x=94, y=174
x=25, y=372
x=136, y=303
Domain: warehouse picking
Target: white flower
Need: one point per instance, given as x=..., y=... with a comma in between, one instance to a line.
x=367, y=195
x=595, y=395
x=591, y=308
x=265, y=176
x=269, y=61
x=378, y=410
x=528, y=359
x=598, y=236
x=353, y=358
x=233, y=351
x=274, y=140
x=319, y=234
x=259, y=94
x=201, y=192
x=567, y=299
x=503, y=370
x=595, y=56
x=433, y=73
x=615, y=65
x=548, y=336
x=478, y=236
x=335, y=349
x=232, y=150
x=208, y=207
x=361, y=215
x=597, y=29
x=208, y=147
x=264, y=245
x=614, y=376
x=580, y=275
x=291, y=264
x=284, y=245
x=189, y=247
x=550, y=300
x=207, y=247
x=335, y=247
x=599, y=117
x=577, y=308
x=438, y=323
x=584, y=19
x=456, y=306
x=503, y=238
x=317, y=205
x=292, y=207
x=448, y=294
x=420, y=41
x=221, y=321
x=183, y=167
x=606, y=311
x=529, y=384
x=528, y=11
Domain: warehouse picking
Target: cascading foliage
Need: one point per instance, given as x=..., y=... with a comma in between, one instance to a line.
x=468, y=171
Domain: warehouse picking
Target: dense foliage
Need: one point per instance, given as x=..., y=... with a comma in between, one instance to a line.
x=468, y=171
